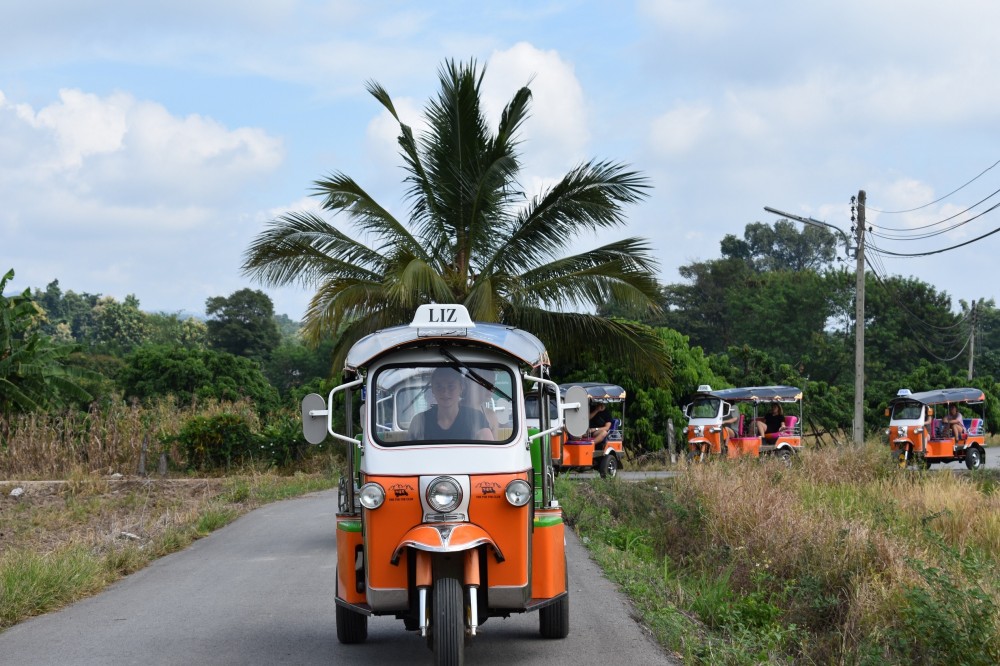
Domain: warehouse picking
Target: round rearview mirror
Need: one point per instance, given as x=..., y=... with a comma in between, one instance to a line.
x=577, y=419
x=314, y=421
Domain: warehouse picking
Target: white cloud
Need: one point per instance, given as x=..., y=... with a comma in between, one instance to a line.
x=556, y=135
x=679, y=130
x=701, y=17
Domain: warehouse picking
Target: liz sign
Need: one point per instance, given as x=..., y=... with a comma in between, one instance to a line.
x=439, y=317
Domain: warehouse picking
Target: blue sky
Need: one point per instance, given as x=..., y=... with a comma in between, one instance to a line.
x=144, y=145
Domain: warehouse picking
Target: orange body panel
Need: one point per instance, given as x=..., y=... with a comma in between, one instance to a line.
x=941, y=448
x=556, y=442
x=743, y=446
x=548, y=566
x=348, y=542
x=615, y=445
x=915, y=437
x=385, y=526
x=578, y=453
x=508, y=525
x=714, y=440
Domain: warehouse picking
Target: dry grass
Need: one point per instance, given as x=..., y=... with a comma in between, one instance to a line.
x=103, y=440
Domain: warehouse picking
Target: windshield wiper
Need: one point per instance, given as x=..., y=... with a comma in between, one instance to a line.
x=471, y=374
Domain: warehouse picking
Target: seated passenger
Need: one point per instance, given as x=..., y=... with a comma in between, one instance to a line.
x=448, y=419
x=600, y=422
x=772, y=422
x=954, y=419
x=929, y=422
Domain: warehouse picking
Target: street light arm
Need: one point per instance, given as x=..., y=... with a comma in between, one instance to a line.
x=809, y=220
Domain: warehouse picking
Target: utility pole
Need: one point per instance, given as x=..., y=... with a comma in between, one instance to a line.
x=972, y=338
x=859, y=325
x=857, y=206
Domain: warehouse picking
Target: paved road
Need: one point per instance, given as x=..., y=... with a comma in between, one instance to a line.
x=259, y=591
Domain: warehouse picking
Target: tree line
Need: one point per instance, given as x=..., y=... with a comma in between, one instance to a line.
x=773, y=308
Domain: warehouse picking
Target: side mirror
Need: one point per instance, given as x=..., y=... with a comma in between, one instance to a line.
x=687, y=407
x=887, y=412
x=576, y=415
x=314, y=418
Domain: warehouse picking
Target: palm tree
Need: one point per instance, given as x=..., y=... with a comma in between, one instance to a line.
x=472, y=238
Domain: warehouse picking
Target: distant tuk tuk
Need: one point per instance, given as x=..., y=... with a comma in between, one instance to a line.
x=724, y=423
x=591, y=451
x=919, y=436
x=447, y=515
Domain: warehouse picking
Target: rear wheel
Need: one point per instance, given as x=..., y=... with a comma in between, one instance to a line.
x=448, y=626
x=352, y=627
x=553, y=620
x=608, y=467
x=785, y=457
x=974, y=457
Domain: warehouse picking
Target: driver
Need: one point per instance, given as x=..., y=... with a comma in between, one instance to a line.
x=449, y=419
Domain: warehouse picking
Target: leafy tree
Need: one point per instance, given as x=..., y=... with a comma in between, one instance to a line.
x=783, y=247
x=189, y=374
x=471, y=238
x=33, y=369
x=119, y=326
x=294, y=364
x=243, y=324
x=705, y=309
x=171, y=329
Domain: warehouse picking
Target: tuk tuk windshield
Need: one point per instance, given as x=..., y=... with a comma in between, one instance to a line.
x=443, y=403
x=907, y=411
x=704, y=408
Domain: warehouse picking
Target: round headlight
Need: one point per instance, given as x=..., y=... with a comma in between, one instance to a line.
x=444, y=494
x=518, y=492
x=371, y=496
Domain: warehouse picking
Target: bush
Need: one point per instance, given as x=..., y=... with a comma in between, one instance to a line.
x=216, y=442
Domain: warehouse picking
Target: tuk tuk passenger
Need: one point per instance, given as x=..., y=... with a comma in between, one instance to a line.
x=954, y=419
x=449, y=419
x=773, y=421
x=600, y=422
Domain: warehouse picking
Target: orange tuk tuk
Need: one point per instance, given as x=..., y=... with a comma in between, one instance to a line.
x=919, y=436
x=598, y=450
x=717, y=426
x=447, y=515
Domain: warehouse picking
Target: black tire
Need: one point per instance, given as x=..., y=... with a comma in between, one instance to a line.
x=974, y=457
x=352, y=627
x=784, y=456
x=553, y=620
x=608, y=467
x=448, y=624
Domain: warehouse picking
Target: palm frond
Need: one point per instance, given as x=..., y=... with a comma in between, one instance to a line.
x=590, y=197
x=638, y=347
x=303, y=248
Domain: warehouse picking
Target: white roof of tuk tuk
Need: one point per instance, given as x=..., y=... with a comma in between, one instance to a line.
x=512, y=341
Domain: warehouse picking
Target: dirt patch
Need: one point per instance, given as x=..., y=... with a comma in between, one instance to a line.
x=98, y=512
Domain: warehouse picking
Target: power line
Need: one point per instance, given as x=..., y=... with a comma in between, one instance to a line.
x=931, y=203
x=946, y=249
x=934, y=224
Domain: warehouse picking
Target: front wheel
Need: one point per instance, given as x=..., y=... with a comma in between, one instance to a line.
x=608, y=467
x=553, y=620
x=448, y=628
x=974, y=457
x=352, y=627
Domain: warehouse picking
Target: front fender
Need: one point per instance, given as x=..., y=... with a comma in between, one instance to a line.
x=445, y=538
